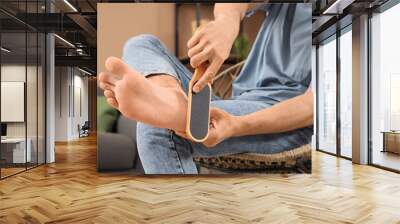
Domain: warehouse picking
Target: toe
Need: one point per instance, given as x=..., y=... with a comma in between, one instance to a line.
x=109, y=94
x=101, y=77
x=113, y=102
x=108, y=77
x=116, y=66
x=106, y=86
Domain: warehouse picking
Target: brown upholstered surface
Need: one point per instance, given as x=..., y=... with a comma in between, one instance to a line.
x=297, y=159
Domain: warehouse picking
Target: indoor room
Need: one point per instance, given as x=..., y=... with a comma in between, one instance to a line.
x=69, y=153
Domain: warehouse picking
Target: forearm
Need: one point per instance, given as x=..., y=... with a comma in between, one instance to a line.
x=288, y=115
x=232, y=11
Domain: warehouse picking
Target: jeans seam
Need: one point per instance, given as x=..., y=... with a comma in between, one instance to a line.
x=173, y=148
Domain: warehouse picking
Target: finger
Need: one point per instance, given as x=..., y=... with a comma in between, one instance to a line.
x=208, y=75
x=208, y=144
x=196, y=49
x=180, y=133
x=211, y=140
x=117, y=67
x=195, y=39
x=203, y=81
x=201, y=57
x=109, y=94
x=113, y=102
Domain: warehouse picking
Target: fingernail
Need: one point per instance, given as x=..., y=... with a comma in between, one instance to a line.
x=195, y=89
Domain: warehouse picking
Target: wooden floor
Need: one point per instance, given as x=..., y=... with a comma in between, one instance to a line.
x=71, y=191
x=5, y=172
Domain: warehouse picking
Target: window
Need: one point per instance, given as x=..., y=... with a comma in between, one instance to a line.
x=385, y=89
x=327, y=96
x=346, y=93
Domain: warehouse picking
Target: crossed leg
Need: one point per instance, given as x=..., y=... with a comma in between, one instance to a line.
x=157, y=100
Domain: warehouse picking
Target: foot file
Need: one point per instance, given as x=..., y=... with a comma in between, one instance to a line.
x=198, y=112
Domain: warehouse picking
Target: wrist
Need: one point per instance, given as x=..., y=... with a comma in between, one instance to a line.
x=238, y=126
x=232, y=19
x=230, y=16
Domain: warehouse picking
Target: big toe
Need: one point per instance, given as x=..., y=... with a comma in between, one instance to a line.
x=116, y=66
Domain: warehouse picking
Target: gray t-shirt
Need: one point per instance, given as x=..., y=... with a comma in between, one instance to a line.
x=279, y=64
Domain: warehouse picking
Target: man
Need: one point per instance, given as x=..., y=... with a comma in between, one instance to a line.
x=271, y=109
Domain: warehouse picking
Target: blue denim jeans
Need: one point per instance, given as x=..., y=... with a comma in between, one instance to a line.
x=163, y=152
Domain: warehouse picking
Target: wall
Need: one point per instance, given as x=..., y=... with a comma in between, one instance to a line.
x=17, y=73
x=70, y=109
x=61, y=105
x=34, y=125
x=118, y=22
x=92, y=98
x=156, y=19
x=187, y=16
x=80, y=109
x=14, y=73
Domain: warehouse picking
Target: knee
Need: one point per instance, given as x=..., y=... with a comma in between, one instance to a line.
x=146, y=41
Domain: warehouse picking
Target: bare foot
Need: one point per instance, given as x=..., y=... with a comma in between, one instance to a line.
x=140, y=99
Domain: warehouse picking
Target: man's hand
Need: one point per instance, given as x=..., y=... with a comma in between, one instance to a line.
x=211, y=44
x=222, y=127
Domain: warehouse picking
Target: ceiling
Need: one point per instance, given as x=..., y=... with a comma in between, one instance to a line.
x=76, y=22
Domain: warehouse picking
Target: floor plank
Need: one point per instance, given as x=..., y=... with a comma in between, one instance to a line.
x=71, y=191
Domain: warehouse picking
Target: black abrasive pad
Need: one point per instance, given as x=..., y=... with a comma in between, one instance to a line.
x=198, y=114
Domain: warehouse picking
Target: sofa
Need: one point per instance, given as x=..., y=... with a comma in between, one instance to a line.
x=116, y=141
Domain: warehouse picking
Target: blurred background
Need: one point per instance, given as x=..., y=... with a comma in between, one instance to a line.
x=173, y=23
